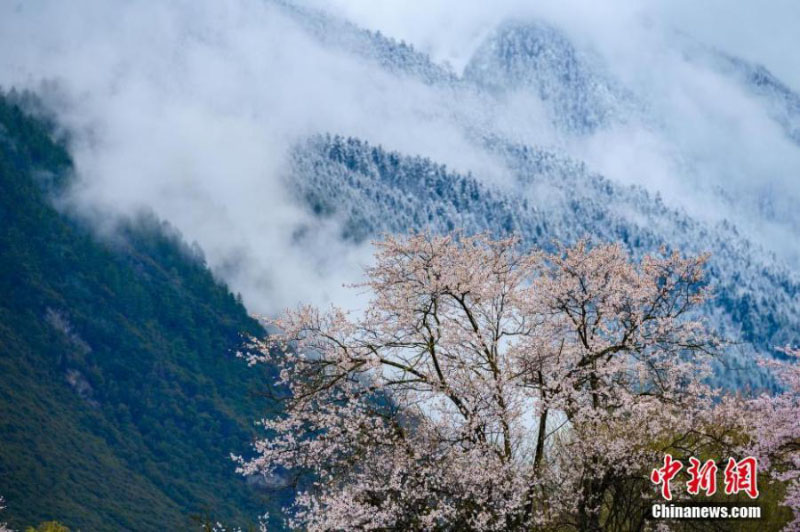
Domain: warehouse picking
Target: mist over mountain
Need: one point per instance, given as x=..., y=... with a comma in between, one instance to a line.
x=282, y=136
x=193, y=109
x=207, y=135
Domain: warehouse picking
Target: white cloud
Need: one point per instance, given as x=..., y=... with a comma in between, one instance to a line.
x=189, y=108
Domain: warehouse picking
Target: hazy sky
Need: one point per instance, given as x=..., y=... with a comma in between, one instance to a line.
x=189, y=108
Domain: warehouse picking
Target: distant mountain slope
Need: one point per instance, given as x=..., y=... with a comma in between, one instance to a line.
x=370, y=190
x=393, y=56
x=540, y=58
x=780, y=101
x=120, y=398
x=528, y=55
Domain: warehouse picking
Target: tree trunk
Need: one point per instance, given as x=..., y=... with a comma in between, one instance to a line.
x=589, y=505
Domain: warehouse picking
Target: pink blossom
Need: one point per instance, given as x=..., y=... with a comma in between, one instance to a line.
x=487, y=388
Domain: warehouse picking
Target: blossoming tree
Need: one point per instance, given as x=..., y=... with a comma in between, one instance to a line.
x=487, y=388
x=773, y=426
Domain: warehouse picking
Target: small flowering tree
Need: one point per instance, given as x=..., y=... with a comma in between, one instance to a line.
x=773, y=423
x=486, y=388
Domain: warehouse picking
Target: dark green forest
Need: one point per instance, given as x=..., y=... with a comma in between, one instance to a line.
x=121, y=397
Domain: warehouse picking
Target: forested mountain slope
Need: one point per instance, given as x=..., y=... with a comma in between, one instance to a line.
x=538, y=57
x=120, y=396
x=371, y=190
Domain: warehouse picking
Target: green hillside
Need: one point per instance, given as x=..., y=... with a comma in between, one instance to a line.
x=120, y=397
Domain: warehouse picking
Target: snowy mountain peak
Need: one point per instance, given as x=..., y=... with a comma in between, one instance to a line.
x=538, y=57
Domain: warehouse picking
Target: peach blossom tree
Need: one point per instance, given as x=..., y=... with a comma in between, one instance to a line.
x=485, y=387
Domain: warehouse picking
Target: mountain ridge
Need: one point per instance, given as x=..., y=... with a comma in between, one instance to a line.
x=370, y=190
